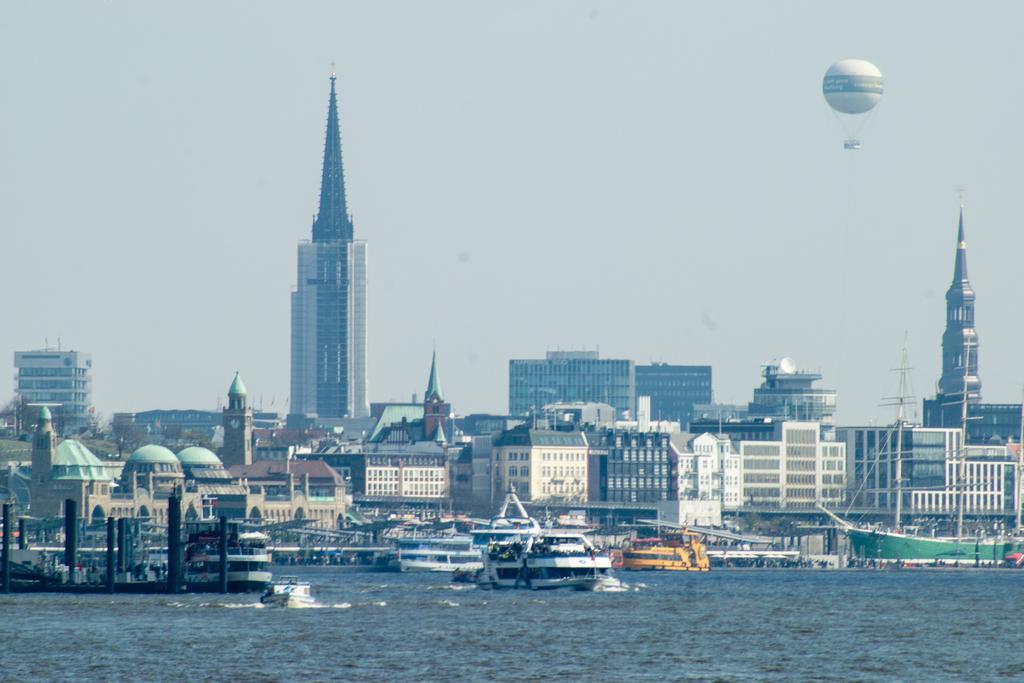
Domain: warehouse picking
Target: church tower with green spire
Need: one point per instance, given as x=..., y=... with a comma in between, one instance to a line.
x=328, y=356
x=435, y=409
x=237, y=422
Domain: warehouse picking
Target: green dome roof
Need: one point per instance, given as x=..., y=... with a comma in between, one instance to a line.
x=75, y=461
x=44, y=415
x=237, y=387
x=196, y=456
x=153, y=454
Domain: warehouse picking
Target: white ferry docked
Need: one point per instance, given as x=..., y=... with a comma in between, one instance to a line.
x=520, y=554
x=248, y=561
x=438, y=554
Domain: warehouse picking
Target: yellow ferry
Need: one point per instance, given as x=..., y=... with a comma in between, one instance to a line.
x=687, y=554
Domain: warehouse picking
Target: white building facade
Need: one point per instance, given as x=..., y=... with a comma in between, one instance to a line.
x=61, y=380
x=541, y=464
x=709, y=469
x=798, y=471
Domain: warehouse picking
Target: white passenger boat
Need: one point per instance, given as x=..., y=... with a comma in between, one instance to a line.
x=520, y=554
x=438, y=554
x=248, y=560
x=288, y=592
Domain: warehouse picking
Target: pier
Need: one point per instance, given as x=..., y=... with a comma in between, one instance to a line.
x=35, y=569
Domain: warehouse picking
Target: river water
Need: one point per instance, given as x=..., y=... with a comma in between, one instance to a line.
x=744, y=625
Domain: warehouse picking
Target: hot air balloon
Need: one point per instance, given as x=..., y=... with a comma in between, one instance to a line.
x=852, y=87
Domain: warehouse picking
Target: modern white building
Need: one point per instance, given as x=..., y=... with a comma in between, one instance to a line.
x=798, y=470
x=988, y=477
x=929, y=459
x=60, y=380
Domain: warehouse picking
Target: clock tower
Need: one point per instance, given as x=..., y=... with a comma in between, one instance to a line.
x=237, y=448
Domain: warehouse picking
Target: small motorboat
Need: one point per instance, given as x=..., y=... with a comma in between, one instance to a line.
x=288, y=592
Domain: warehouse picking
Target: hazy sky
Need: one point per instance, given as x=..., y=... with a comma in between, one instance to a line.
x=661, y=179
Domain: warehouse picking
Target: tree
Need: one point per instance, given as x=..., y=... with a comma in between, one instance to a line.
x=197, y=437
x=16, y=413
x=126, y=435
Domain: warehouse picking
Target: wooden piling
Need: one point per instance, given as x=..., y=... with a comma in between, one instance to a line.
x=70, y=536
x=110, y=554
x=6, y=558
x=122, y=560
x=173, y=543
x=223, y=554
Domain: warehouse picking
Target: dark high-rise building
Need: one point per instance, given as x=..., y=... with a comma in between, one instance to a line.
x=987, y=422
x=674, y=389
x=329, y=302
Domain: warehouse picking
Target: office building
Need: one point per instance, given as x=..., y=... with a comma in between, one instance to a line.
x=631, y=466
x=328, y=356
x=928, y=462
x=674, y=389
x=796, y=470
x=541, y=464
x=60, y=380
x=788, y=393
x=570, y=377
x=872, y=453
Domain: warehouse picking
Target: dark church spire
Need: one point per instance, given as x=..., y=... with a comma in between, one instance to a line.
x=332, y=220
x=960, y=340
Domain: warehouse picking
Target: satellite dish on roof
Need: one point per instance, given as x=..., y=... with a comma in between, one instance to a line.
x=787, y=366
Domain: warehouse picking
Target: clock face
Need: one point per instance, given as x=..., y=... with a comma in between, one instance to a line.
x=234, y=423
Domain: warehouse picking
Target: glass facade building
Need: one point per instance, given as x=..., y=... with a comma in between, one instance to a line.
x=871, y=462
x=571, y=376
x=674, y=389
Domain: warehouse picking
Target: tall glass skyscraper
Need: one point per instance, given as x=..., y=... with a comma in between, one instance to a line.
x=329, y=302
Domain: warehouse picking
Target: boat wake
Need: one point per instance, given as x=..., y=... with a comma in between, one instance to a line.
x=620, y=588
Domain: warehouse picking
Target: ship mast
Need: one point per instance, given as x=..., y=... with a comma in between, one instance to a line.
x=901, y=401
x=1020, y=468
x=961, y=461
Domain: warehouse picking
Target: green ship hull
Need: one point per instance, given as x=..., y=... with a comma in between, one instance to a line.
x=886, y=546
